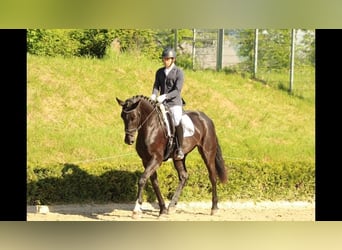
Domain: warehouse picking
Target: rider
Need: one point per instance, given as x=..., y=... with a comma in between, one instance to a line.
x=168, y=83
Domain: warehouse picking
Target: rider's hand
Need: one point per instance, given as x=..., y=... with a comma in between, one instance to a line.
x=161, y=98
x=153, y=97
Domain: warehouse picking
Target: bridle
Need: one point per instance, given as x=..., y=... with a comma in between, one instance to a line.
x=131, y=131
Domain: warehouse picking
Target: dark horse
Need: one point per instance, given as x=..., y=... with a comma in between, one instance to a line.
x=141, y=114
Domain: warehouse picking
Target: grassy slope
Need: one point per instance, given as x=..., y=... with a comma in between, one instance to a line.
x=73, y=116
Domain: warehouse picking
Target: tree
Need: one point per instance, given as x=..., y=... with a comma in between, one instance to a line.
x=273, y=49
x=92, y=42
x=50, y=42
x=143, y=41
x=305, y=50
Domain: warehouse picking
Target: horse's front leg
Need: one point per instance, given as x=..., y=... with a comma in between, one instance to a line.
x=150, y=168
x=182, y=176
x=161, y=202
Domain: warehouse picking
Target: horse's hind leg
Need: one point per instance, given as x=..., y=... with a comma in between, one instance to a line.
x=213, y=181
x=182, y=176
x=155, y=185
x=209, y=159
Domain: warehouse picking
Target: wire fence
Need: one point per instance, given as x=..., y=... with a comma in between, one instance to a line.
x=210, y=51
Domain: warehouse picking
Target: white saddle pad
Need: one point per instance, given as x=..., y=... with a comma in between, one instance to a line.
x=188, y=126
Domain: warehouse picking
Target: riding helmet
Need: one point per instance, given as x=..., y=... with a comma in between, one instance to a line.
x=169, y=52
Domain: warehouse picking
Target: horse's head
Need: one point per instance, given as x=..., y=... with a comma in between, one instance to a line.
x=131, y=117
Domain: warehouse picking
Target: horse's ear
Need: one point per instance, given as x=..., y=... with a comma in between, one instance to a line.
x=121, y=103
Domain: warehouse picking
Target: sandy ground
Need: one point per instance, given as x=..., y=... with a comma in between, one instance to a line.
x=193, y=211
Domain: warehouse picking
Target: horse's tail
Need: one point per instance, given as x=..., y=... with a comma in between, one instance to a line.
x=220, y=164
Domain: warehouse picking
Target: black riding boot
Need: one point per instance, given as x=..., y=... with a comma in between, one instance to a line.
x=179, y=152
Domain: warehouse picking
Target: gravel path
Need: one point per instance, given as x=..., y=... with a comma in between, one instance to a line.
x=192, y=211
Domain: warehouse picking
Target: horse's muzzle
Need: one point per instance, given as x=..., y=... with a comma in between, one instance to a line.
x=129, y=139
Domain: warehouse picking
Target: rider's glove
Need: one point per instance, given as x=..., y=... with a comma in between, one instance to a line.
x=153, y=97
x=161, y=98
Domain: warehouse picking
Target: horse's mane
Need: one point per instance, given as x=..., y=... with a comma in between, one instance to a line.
x=136, y=98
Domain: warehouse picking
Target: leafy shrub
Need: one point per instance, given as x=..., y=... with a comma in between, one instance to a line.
x=184, y=61
x=51, y=43
x=102, y=183
x=90, y=42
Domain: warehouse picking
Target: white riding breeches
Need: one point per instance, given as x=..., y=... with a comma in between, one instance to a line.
x=177, y=113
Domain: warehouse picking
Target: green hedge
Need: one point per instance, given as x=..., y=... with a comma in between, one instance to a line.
x=101, y=183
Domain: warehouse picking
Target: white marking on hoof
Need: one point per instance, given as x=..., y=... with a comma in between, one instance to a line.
x=41, y=209
x=137, y=211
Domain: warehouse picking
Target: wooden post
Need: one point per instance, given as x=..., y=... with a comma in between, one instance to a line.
x=193, y=48
x=292, y=59
x=255, y=53
x=219, y=54
x=176, y=40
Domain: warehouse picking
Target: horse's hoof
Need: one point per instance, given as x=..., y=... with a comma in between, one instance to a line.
x=171, y=210
x=214, y=211
x=136, y=215
x=163, y=216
